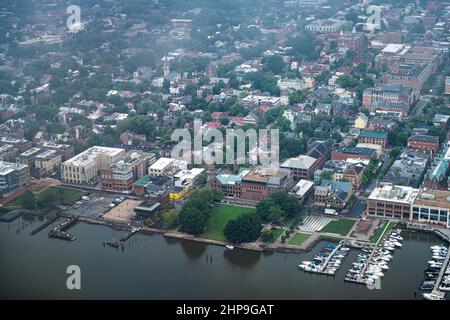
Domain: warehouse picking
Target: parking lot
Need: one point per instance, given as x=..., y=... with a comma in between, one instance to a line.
x=96, y=206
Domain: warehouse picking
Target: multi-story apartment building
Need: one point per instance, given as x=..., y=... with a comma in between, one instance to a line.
x=118, y=176
x=47, y=162
x=8, y=153
x=65, y=150
x=85, y=167
x=21, y=145
x=13, y=176
x=28, y=158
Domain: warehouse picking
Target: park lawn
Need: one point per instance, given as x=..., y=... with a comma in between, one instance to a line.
x=381, y=231
x=220, y=216
x=277, y=233
x=299, y=238
x=69, y=196
x=342, y=226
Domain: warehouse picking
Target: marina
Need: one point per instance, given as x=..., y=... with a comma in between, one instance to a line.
x=437, y=276
x=327, y=261
x=372, y=263
x=159, y=258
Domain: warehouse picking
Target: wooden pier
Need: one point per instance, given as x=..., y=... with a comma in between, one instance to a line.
x=129, y=234
x=43, y=226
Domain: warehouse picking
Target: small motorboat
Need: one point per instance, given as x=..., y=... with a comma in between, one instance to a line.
x=427, y=285
x=434, y=296
x=229, y=246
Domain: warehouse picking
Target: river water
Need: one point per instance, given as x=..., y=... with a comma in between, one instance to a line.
x=154, y=267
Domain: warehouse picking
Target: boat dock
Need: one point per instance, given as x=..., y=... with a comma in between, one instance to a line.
x=442, y=272
x=130, y=234
x=59, y=231
x=327, y=260
x=43, y=226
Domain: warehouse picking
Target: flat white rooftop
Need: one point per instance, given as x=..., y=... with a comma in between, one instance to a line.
x=161, y=164
x=394, y=193
x=91, y=154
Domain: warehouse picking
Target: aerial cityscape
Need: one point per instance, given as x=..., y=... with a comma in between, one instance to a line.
x=225, y=149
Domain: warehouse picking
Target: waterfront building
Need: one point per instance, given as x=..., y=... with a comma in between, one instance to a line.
x=13, y=176
x=391, y=201
x=85, y=167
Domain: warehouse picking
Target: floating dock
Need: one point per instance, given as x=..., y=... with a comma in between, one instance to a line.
x=130, y=234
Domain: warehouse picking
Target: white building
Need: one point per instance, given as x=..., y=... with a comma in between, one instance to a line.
x=85, y=167
x=165, y=166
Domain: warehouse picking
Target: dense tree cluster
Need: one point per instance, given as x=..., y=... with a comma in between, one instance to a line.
x=246, y=228
x=193, y=217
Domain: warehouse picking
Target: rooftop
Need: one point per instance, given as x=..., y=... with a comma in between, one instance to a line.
x=394, y=193
x=433, y=198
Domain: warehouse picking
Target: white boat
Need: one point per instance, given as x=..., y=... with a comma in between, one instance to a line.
x=398, y=238
x=434, y=296
x=344, y=249
x=396, y=244
x=389, y=248
x=444, y=288
x=229, y=246
x=438, y=247
x=438, y=258
x=306, y=263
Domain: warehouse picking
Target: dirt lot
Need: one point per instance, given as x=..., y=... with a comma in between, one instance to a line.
x=123, y=212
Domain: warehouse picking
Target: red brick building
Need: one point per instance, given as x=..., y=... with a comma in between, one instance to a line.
x=424, y=143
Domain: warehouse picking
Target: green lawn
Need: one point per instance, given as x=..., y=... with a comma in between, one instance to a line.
x=381, y=231
x=68, y=196
x=220, y=216
x=341, y=227
x=277, y=233
x=299, y=238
